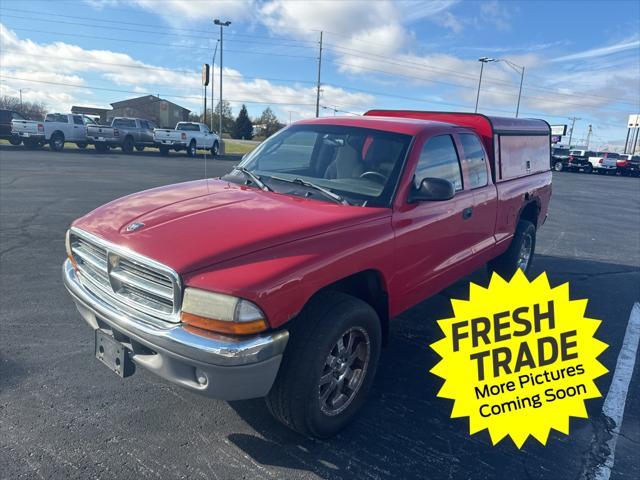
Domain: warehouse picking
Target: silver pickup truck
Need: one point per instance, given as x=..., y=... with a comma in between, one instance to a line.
x=126, y=133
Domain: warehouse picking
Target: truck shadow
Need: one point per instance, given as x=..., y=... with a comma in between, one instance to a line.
x=404, y=430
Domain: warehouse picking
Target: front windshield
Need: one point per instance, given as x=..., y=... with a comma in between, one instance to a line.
x=359, y=164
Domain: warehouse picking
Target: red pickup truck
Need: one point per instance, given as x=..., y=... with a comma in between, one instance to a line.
x=279, y=279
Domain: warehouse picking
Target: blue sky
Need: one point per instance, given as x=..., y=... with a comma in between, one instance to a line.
x=581, y=58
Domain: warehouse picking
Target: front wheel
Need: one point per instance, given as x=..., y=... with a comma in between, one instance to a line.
x=558, y=166
x=328, y=366
x=520, y=253
x=191, y=149
x=215, y=148
x=588, y=169
x=15, y=141
x=127, y=145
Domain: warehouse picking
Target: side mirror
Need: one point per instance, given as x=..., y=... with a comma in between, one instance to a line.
x=432, y=189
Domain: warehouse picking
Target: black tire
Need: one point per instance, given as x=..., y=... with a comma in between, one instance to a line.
x=140, y=148
x=507, y=264
x=558, y=166
x=56, y=143
x=81, y=145
x=191, y=149
x=164, y=150
x=295, y=398
x=588, y=168
x=215, y=148
x=15, y=141
x=127, y=144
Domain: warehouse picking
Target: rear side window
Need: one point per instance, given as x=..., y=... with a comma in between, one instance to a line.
x=124, y=123
x=56, y=117
x=189, y=127
x=474, y=158
x=439, y=159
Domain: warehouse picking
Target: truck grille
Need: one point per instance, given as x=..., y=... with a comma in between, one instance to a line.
x=126, y=277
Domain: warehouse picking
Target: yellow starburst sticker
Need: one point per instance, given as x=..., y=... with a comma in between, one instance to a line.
x=519, y=358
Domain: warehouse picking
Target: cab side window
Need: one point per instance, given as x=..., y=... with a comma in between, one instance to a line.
x=439, y=159
x=474, y=158
x=78, y=120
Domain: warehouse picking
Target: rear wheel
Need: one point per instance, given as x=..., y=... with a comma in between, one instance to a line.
x=127, y=145
x=215, y=148
x=15, y=141
x=57, y=141
x=558, y=166
x=328, y=366
x=519, y=254
x=191, y=149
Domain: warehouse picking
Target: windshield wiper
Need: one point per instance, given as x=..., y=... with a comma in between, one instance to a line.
x=325, y=191
x=254, y=178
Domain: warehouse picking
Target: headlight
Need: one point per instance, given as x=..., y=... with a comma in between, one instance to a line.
x=221, y=313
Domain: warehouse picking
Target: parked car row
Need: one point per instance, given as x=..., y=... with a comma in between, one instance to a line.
x=124, y=133
x=589, y=161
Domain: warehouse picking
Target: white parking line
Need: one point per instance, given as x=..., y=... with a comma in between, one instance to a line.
x=617, y=396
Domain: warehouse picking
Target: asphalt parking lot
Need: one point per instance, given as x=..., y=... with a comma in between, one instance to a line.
x=63, y=415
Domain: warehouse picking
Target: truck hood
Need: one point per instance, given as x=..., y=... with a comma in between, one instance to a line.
x=192, y=225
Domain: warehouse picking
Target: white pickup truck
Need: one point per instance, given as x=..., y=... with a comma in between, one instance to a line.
x=58, y=129
x=31, y=132
x=605, y=162
x=189, y=136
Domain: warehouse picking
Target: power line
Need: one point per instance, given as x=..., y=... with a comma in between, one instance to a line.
x=340, y=49
x=120, y=22
x=359, y=53
x=161, y=69
x=192, y=97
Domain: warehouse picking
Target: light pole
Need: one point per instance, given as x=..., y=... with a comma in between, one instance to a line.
x=213, y=62
x=482, y=61
x=222, y=24
x=520, y=70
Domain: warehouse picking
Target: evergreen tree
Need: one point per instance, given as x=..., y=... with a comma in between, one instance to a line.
x=269, y=122
x=243, y=127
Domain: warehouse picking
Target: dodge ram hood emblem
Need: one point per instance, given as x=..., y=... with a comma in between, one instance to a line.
x=132, y=227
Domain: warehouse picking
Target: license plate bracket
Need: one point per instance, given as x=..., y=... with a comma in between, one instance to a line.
x=113, y=354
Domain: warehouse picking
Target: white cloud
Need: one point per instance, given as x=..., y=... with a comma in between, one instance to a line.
x=600, y=52
x=63, y=63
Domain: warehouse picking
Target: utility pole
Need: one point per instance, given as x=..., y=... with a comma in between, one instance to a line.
x=635, y=142
x=482, y=61
x=21, y=100
x=520, y=92
x=573, y=123
x=222, y=24
x=213, y=62
x=318, y=82
x=589, y=136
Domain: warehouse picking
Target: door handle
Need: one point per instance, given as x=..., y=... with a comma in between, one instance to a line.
x=467, y=212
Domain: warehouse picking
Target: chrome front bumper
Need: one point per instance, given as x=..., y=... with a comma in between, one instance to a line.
x=229, y=368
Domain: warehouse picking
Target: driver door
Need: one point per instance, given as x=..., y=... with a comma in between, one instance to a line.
x=433, y=244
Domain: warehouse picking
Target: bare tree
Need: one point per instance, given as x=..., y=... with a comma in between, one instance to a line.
x=31, y=110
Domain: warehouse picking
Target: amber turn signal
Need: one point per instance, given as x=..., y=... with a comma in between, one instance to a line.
x=221, y=326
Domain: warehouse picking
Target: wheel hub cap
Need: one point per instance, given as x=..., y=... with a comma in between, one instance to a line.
x=344, y=371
